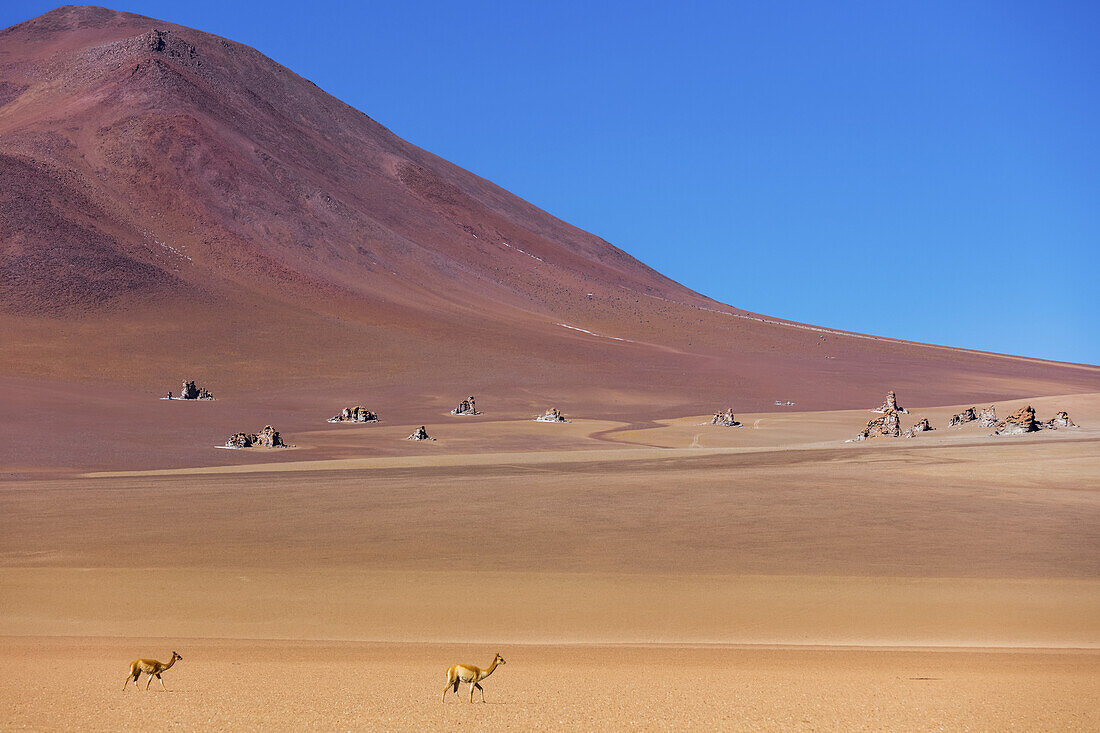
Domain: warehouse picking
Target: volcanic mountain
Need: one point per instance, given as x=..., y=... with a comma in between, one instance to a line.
x=179, y=205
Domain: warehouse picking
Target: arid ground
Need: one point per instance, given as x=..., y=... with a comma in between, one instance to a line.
x=674, y=574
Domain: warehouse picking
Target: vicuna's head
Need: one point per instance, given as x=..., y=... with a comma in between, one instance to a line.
x=500, y=659
x=176, y=655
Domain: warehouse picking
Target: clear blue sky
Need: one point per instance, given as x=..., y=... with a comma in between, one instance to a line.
x=928, y=171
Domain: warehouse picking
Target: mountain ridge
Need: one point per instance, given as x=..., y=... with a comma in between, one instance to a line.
x=156, y=169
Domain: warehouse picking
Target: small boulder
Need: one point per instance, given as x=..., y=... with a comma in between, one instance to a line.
x=466, y=407
x=189, y=391
x=967, y=415
x=240, y=440
x=1019, y=422
x=355, y=414
x=1061, y=420
x=269, y=437
x=420, y=434
x=922, y=426
x=725, y=419
x=551, y=415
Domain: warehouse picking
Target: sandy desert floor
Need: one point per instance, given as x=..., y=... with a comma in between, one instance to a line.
x=665, y=574
x=222, y=684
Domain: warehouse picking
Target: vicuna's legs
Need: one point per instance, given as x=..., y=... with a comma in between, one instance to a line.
x=162, y=683
x=132, y=676
x=482, y=691
x=451, y=682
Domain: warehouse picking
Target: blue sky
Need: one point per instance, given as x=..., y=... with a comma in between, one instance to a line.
x=928, y=171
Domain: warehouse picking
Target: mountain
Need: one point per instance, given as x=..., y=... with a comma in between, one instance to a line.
x=177, y=204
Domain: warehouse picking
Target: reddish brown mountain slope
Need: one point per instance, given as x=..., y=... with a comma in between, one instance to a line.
x=175, y=204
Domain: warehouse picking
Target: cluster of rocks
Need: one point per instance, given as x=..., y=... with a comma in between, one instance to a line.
x=922, y=426
x=267, y=438
x=1019, y=422
x=887, y=426
x=551, y=415
x=725, y=419
x=1024, y=421
x=466, y=407
x=355, y=414
x=421, y=433
x=191, y=392
x=891, y=405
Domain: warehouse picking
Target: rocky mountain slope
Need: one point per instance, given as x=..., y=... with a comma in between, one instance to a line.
x=177, y=202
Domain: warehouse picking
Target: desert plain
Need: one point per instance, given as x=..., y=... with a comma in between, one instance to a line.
x=665, y=574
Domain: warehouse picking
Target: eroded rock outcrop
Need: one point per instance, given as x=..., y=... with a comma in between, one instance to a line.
x=887, y=426
x=967, y=415
x=551, y=415
x=355, y=414
x=466, y=407
x=891, y=403
x=922, y=426
x=189, y=391
x=1061, y=420
x=1021, y=421
x=269, y=437
x=421, y=433
x=987, y=418
x=725, y=419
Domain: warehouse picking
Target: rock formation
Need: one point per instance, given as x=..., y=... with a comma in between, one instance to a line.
x=267, y=438
x=887, y=426
x=190, y=392
x=725, y=419
x=355, y=414
x=420, y=434
x=891, y=404
x=240, y=440
x=922, y=426
x=1061, y=420
x=551, y=415
x=466, y=407
x=967, y=415
x=987, y=418
x=1021, y=421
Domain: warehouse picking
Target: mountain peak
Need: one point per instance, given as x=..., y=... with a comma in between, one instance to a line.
x=153, y=169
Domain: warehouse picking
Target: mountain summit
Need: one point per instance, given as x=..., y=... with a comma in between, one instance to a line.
x=173, y=200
